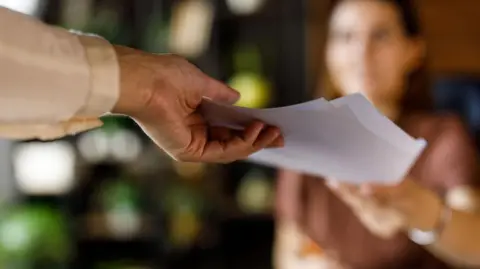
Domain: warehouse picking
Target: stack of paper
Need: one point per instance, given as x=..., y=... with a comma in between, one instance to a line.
x=346, y=139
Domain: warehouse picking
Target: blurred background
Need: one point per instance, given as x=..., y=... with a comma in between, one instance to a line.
x=109, y=199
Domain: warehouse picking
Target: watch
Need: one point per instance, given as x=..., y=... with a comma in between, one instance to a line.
x=425, y=238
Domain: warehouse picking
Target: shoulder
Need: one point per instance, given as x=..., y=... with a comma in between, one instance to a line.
x=447, y=137
x=450, y=158
x=449, y=141
x=437, y=127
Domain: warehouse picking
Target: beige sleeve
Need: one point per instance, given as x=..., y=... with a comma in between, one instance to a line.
x=52, y=82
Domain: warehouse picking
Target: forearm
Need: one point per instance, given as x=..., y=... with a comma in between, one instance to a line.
x=464, y=199
x=448, y=257
x=49, y=76
x=459, y=239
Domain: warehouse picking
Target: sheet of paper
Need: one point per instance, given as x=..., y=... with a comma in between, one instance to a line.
x=374, y=121
x=325, y=139
x=370, y=117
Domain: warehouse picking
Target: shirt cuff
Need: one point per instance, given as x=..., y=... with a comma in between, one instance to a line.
x=104, y=77
x=48, y=131
x=103, y=93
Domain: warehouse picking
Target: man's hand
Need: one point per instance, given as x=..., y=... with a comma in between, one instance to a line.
x=163, y=92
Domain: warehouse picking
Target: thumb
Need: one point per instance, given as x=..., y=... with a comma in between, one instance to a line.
x=219, y=92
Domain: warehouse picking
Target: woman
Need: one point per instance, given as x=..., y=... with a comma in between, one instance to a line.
x=373, y=47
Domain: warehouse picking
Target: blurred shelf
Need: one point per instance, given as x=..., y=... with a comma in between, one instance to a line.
x=250, y=217
x=142, y=254
x=94, y=226
x=232, y=212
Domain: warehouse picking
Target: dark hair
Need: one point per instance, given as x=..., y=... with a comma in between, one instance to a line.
x=417, y=96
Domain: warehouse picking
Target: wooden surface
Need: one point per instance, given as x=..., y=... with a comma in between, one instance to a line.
x=453, y=34
x=452, y=31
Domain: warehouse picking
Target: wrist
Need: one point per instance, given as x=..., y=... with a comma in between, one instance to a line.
x=136, y=85
x=427, y=213
x=420, y=207
x=431, y=235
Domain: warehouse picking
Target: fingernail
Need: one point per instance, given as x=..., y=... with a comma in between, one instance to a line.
x=275, y=131
x=278, y=142
x=235, y=96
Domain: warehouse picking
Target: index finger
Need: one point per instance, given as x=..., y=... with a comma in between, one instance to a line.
x=255, y=137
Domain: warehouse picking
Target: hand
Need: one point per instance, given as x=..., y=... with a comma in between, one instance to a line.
x=415, y=206
x=421, y=207
x=162, y=93
x=381, y=219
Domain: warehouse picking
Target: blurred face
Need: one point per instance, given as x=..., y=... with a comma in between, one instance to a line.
x=368, y=50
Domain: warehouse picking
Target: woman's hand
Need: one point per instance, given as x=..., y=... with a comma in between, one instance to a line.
x=386, y=210
x=381, y=219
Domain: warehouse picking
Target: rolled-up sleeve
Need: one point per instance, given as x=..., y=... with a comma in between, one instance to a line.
x=52, y=82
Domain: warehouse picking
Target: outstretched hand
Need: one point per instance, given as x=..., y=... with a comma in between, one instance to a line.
x=377, y=215
x=385, y=210
x=163, y=93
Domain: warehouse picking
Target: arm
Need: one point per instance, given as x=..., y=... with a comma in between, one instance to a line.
x=53, y=82
x=455, y=153
x=458, y=242
x=420, y=208
x=448, y=164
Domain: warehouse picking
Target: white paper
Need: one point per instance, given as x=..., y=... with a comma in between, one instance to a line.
x=346, y=139
x=369, y=116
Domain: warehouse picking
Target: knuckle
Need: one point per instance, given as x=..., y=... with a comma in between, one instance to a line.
x=181, y=157
x=256, y=147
